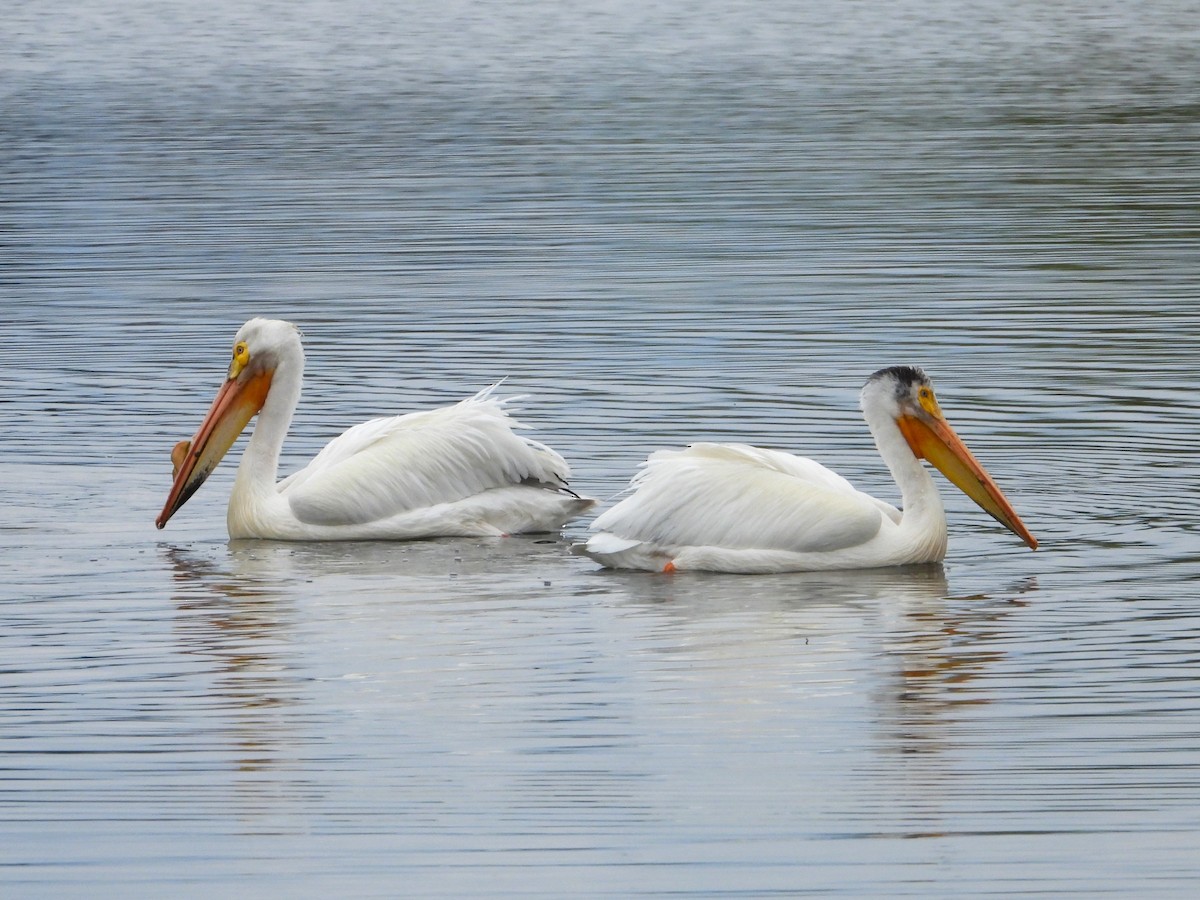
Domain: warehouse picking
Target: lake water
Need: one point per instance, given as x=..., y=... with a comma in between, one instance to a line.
x=664, y=223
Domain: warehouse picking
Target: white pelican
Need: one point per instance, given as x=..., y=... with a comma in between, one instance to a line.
x=736, y=508
x=457, y=471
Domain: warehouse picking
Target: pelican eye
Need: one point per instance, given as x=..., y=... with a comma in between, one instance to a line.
x=241, y=358
x=928, y=401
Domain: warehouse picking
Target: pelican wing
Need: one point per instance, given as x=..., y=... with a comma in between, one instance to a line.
x=741, y=497
x=389, y=466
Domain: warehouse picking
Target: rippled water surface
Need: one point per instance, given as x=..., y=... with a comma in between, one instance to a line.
x=663, y=223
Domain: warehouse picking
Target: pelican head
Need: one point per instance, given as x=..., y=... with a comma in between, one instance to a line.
x=259, y=348
x=904, y=395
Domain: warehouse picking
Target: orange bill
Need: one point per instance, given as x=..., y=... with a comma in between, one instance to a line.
x=236, y=403
x=936, y=441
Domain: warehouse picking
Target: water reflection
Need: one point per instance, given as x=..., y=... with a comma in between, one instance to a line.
x=437, y=663
x=895, y=633
x=285, y=562
x=704, y=593
x=243, y=629
x=938, y=661
x=935, y=650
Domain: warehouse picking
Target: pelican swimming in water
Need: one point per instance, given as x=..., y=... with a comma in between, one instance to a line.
x=736, y=508
x=456, y=471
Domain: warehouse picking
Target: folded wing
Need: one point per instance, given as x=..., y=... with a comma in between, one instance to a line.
x=741, y=497
x=386, y=467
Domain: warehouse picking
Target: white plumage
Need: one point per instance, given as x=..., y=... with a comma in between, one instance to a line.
x=459, y=470
x=737, y=508
x=742, y=497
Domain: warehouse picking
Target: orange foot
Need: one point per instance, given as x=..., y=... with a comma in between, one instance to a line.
x=669, y=567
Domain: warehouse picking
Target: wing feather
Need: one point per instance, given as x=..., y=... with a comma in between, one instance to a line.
x=393, y=465
x=741, y=497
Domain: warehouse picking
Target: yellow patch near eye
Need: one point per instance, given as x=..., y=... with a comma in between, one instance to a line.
x=929, y=402
x=241, y=356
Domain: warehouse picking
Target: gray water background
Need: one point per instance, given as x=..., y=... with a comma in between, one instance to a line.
x=664, y=223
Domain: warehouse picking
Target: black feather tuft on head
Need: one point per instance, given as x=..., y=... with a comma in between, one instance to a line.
x=904, y=376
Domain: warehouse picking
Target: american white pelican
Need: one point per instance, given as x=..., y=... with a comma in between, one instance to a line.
x=736, y=508
x=457, y=471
